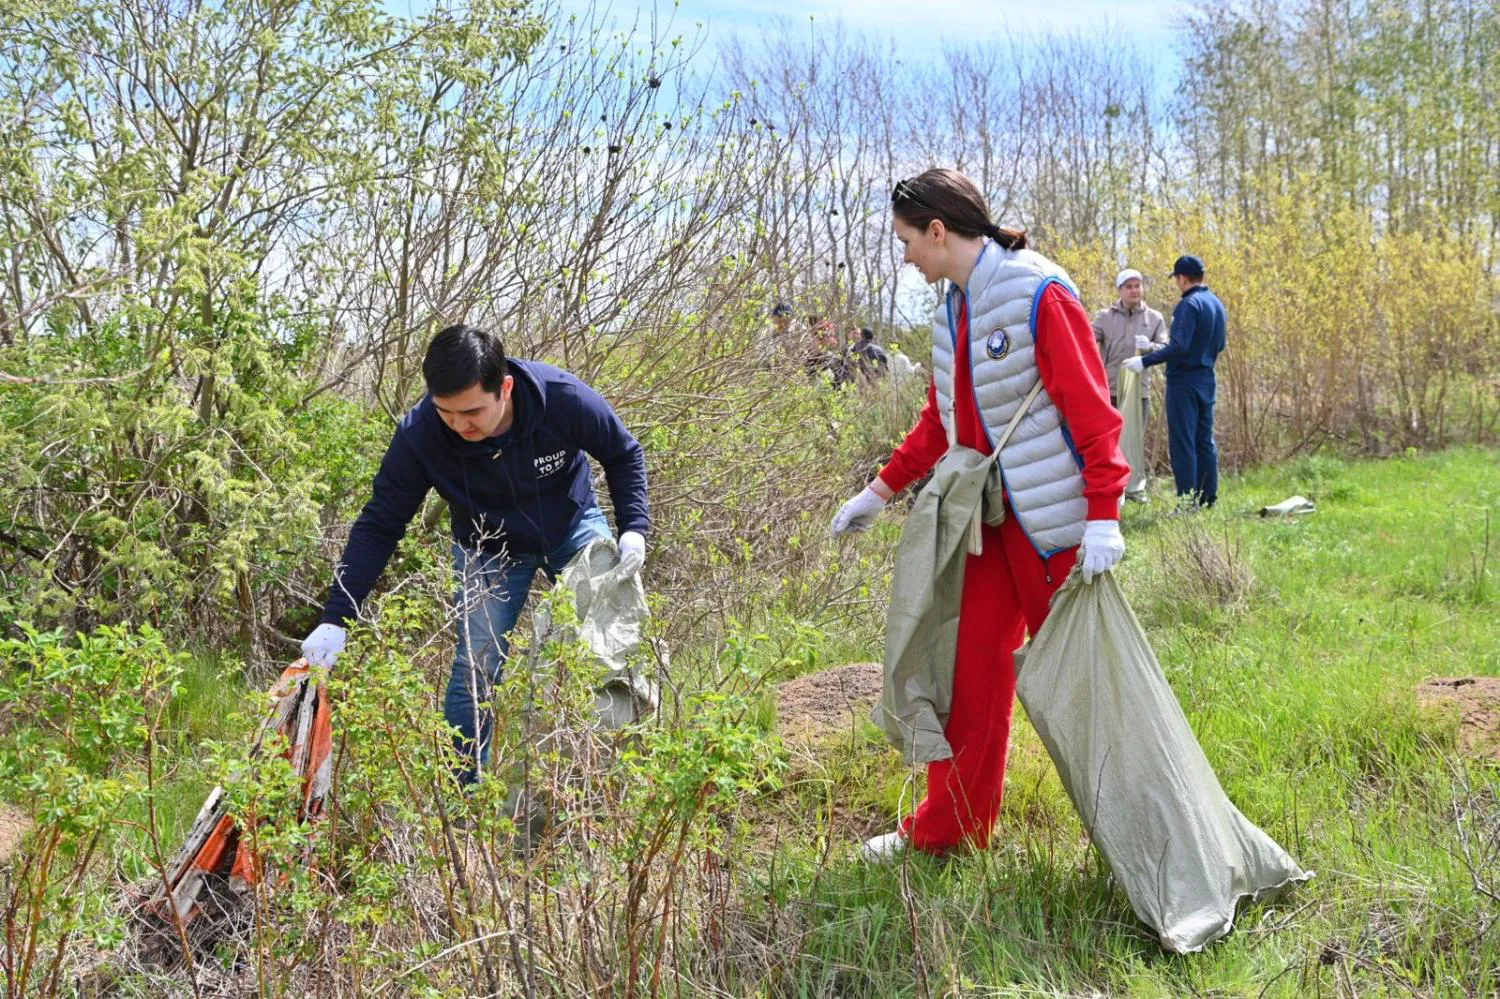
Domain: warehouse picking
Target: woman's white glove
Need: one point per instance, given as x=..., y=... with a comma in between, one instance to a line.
x=1143, y=342
x=632, y=552
x=1133, y=364
x=323, y=646
x=858, y=513
x=1103, y=546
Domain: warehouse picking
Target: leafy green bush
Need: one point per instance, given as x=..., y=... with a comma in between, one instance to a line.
x=78, y=719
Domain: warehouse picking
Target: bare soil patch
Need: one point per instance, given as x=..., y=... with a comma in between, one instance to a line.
x=816, y=715
x=827, y=703
x=13, y=828
x=1476, y=701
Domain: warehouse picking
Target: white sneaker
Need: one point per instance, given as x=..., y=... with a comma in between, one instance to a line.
x=882, y=848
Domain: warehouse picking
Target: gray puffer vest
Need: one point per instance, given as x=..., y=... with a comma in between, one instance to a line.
x=1042, y=470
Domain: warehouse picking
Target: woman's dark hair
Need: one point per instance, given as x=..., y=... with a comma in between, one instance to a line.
x=462, y=356
x=953, y=199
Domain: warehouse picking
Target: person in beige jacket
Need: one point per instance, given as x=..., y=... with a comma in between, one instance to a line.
x=1125, y=330
x=1128, y=328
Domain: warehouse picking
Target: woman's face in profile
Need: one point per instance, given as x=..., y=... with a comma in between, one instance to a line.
x=924, y=247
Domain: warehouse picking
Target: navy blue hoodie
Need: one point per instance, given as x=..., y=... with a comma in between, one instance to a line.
x=523, y=491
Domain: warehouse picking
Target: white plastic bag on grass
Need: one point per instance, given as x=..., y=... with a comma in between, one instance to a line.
x=1145, y=792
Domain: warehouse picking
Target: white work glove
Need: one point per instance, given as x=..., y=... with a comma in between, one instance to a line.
x=858, y=513
x=1143, y=342
x=323, y=646
x=1133, y=364
x=632, y=552
x=1103, y=546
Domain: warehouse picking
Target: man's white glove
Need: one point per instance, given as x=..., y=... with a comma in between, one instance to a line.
x=858, y=513
x=1143, y=342
x=632, y=552
x=1103, y=547
x=323, y=646
x=1133, y=364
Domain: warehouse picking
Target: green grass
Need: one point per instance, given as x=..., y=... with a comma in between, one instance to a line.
x=206, y=709
x=1295, y=661
x=1299, y=685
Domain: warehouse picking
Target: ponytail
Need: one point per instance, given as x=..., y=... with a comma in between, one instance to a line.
x=1010, y=239
x=956, y=201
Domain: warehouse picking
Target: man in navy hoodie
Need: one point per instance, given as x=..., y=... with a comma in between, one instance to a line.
x=504, y=442
x=1198, y=337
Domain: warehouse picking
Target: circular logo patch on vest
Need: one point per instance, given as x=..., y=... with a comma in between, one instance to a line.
x=997, y=345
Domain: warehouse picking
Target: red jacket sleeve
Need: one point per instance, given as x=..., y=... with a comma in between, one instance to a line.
x=925, y=443
x=1073, y=375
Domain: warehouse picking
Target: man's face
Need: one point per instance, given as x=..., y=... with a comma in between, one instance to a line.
x=475, y=414
x=1183, y=284
x=781, y=322
x=924, y=247
x=1131, y=293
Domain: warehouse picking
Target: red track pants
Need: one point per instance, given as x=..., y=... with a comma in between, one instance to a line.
x=1007, y=589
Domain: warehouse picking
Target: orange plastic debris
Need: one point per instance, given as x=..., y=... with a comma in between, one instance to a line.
x=302, y=722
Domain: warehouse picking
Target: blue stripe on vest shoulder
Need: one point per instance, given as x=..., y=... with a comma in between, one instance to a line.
x=1036, y=301
x=1036, y=298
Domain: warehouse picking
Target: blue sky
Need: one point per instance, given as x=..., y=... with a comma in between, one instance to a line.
x=925, y=25
x=922, y=25
x=930, y=22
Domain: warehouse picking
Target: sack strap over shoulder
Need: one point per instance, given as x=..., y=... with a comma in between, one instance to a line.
x=976, y=543
x=1015, y=421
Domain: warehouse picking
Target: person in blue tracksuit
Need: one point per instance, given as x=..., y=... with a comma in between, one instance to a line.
x=506, y=442
x=1197, y=339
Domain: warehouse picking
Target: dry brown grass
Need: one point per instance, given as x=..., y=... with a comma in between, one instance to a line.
x=1202, y=565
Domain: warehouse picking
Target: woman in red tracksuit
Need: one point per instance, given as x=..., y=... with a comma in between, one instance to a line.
x=942, y=219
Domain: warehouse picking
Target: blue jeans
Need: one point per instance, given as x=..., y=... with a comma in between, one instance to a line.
x=1190, y=438
x=492, y=590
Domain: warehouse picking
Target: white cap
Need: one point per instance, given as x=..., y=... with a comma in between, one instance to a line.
x=1126, y=275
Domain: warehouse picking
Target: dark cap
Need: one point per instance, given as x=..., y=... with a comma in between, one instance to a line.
x=865, y=333
x=1188, y=266
x=781, y=309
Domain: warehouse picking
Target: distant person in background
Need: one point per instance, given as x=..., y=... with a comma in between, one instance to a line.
x=821, y=350
x=781, y=317
x=1127, y=328
x=903, y=367
x=825, y=333
x=779, y=346
x=866, y=360
x=1199, y=335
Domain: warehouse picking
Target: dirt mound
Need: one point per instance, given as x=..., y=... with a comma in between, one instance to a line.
x=13, y=827
x=827, y=703
x=1477, y=702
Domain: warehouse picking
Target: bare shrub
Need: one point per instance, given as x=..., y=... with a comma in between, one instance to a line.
x=1197, y=565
